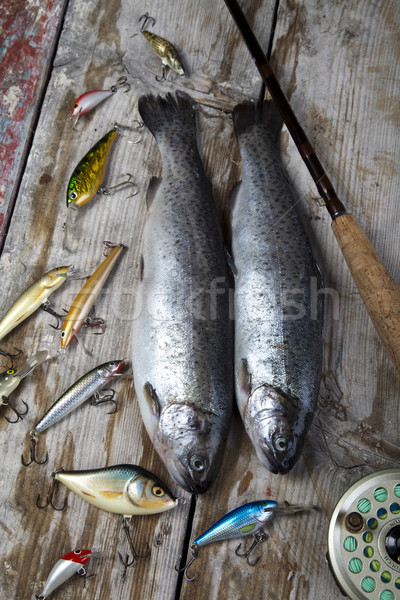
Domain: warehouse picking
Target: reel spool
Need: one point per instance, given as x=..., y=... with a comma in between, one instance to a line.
x=364, y=538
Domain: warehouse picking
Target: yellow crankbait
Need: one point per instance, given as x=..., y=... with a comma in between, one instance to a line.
x=163, y=48
x=33, y=297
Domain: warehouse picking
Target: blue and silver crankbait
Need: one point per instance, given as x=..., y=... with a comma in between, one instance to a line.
x=86, y=387
x=244, y=520
x=66, y=567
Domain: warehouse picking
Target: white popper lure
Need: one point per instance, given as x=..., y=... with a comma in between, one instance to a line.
x=68, y=565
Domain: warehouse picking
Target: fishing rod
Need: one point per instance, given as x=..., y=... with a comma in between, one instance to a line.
x=377, y=288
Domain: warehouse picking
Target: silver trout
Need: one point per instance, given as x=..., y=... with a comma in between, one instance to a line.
x=182, y=352
x=278, y=337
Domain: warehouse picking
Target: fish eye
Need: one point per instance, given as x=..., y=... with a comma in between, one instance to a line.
x=76, y=105
x=197, y=463
x=63, y=334
x=281, y=443
x=158, y=491
x=10, y=372
x=73, y=195
x=77, y=551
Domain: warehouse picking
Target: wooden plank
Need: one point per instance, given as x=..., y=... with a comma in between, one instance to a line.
x=28, y=34
x=95, y=49
x=346, y=53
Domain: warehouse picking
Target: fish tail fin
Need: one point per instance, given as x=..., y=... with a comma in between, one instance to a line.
x=159, y=113
x=250, y=113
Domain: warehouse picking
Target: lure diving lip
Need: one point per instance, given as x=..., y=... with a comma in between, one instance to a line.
x=66, y=567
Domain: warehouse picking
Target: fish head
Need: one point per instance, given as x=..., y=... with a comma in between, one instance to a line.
x=276, y=426
x=149, y=493
x=190, y=442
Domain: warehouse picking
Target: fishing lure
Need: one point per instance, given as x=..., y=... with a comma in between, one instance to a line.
x=88, y=295
x=89, y=100
x=244, y=520
x=122, y=489
x=66, y=567
x=35, y=295
x=86, y=387
x=163, y=48
x=10, y=380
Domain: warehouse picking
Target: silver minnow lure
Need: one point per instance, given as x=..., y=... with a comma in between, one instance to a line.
x=65, y=567
x=247, y=519
x=278, y=337
x=182, y=338
x=86, y=387
x=83, y=389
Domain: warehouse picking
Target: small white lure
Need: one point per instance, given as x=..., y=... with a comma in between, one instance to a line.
x=89, y=100
x=65, y=567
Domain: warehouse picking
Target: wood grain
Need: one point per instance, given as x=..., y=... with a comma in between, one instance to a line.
x=338, y=65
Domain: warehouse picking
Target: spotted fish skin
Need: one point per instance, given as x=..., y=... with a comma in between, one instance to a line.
x=182, y=336
x=88, y=174
x=79, y=392
x=244, y=520
x=278, y=337
x=164, y=50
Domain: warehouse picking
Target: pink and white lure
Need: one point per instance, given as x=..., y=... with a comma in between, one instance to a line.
x=89, y=100
x=68, y=565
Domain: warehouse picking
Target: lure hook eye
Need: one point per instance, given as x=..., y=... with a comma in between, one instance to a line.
x=145, y=18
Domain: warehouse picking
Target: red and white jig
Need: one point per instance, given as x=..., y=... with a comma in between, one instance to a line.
x=65, y=567
x=89, y=100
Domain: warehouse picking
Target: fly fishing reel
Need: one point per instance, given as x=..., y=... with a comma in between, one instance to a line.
x=364, y=538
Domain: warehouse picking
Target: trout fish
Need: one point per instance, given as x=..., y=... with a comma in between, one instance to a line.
x=182, y=337
x=278, y=316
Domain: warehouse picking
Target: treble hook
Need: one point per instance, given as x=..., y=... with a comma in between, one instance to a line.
x=50, y=494
x=122, y=81
x=18, y=413
x=259, y=537
x=99, y=399
x=46, y=307
x=107, y=191
x=195, y=554
x=32, y=453
x=146, y=17
x=95, y=322
x=11, y=356
x=126, y=562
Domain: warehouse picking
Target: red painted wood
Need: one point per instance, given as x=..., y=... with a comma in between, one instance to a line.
x=28, y=33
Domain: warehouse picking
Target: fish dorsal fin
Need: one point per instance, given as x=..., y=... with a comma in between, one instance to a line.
x=154, y=184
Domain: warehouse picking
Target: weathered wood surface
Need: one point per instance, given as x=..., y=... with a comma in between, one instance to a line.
x=28, y=35
x=338, y=64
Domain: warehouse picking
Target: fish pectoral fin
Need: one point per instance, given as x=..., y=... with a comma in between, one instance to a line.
x=233, y=194
x=154, y=184
x=231, y=263
x=152, y=400
x=244, y=377
x=141, y=268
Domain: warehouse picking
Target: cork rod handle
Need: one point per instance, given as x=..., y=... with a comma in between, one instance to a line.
x=378, y=290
